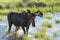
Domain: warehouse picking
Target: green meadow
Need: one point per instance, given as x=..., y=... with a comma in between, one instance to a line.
x=7, y=6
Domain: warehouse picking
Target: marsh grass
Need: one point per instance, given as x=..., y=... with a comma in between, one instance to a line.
x=17, y=7
x=55, y=34
x=57, y=20
x=33, y=9
x=41, y=34
x=47, y=23
x=48, y=16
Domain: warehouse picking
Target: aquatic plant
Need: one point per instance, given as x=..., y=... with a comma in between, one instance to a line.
x=55, y=34
x=57, y=20
x=48, y=16
x=41, y=34
x=47, y=23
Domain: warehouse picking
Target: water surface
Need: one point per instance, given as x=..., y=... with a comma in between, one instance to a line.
x=32, y=30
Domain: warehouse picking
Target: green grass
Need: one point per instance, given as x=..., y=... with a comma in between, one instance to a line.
x=18, y=8
x=6, y=2
x=47, y=23
x=16, y=1
x=41, y=34
x=33, y=9
x=57, y=20
x=48, y=16
x=0, y=18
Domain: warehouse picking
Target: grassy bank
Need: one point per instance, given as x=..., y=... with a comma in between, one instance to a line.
x=33, y=9
x=7, y=6
x=0, y=18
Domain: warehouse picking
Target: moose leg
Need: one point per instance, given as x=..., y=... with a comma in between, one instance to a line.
x=10, y=24
x=27, y=29
x=33, y=22
x=16, y=29
x=23, y=29
x=16, y=32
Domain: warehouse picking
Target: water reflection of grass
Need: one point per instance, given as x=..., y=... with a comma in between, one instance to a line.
x=41, y=34
x=57, y=20
x=47, y=23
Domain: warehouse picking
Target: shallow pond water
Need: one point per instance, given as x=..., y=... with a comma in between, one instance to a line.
x=32, y=30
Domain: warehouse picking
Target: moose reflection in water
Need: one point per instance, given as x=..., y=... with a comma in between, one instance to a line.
x=23, y=19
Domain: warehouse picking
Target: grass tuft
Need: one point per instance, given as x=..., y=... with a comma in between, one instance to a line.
x=41, y=34
x=47, y=23
x=57, y=20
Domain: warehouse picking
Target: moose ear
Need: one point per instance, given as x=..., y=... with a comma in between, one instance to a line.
x=28, y=11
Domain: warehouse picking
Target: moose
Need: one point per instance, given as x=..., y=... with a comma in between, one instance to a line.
x=23, y=19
